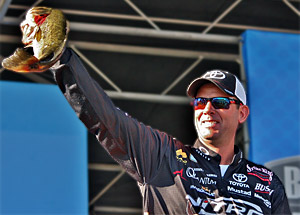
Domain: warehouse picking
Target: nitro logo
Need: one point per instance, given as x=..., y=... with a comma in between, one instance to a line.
x=192, y=173
x=262, y=173
x=260, y=188
x=223, y=205
x=239, y=192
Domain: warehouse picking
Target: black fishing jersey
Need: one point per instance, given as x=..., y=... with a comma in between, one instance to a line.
x=173, y=178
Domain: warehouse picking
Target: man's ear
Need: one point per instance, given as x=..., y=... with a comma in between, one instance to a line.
x=244, y=112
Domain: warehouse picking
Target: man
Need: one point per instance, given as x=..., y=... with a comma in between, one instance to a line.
x=212, y=177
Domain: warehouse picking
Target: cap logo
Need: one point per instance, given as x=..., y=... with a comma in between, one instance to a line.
x=214, y=74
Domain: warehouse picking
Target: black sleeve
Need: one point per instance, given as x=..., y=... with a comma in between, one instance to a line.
x=138, y=148
x=280, y=204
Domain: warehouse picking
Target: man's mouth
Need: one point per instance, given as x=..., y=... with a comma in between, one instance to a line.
x=208, y=123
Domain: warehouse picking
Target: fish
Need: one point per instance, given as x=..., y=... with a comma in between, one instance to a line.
x=44, y=35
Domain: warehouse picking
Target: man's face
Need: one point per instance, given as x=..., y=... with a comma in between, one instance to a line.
x=215, y=124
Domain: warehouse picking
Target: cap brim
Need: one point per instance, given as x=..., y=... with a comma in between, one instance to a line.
x=197, y=83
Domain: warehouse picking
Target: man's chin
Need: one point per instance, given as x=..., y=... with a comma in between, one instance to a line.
x=209, y=134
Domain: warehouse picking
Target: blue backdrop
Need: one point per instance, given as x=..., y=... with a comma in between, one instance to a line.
x=43, y=152
x=272, y=63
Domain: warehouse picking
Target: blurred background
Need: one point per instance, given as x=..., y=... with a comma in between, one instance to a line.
x=144, y=54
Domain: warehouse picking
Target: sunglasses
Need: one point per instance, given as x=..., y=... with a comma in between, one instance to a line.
x=217, y=102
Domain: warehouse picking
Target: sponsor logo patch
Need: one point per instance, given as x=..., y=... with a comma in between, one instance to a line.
x=239, y=177
x=215, y=74
x=238, y=191
x=261, y=173
x=212, y=175
x=223, y=205
x=266, y=202
x=180, y=172
x=202, y=189
x=181, y=156
x=239, y=180
x=260, y=188
x=192, y=173
x=202, y=154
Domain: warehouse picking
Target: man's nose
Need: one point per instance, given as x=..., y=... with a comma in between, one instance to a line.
x=208, y=108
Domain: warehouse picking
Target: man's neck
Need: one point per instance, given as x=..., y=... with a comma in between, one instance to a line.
x=225, y=150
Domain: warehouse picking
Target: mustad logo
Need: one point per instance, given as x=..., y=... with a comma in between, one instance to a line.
x=238, y=191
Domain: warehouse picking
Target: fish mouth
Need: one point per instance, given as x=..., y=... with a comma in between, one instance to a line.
x=27, y=45
x=48, y=58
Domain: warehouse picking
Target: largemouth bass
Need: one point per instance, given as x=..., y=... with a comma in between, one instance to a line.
x=45, y=32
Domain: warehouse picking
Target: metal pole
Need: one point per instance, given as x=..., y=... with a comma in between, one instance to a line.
x=142, y=14
x=187, y=71
x=107, y=187
x=292, y=7
x=137, y=49
x=96, y=69
x=144, y=32
x=105, y=167
x=244, y=82
x=118, y=210
x=4, y=4
x=157, y=98
x=222, y=16
x=33, y=5
x=162, y=20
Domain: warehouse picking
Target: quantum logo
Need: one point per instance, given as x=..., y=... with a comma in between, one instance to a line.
x=192, y=173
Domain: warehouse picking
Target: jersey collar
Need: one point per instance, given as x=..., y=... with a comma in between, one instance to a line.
x=204, y=151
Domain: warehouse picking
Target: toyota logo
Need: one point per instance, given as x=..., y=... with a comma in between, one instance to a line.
x=216, y=74
x=239, y=177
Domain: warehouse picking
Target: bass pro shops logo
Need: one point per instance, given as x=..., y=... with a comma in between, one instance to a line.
x=261, y=173
x=224, y=205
